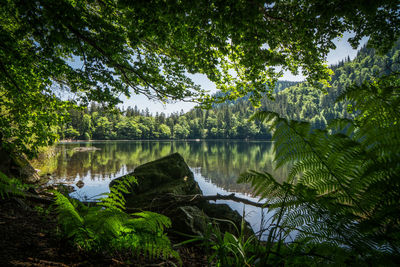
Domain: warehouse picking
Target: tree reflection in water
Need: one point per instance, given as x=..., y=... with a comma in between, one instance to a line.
x=220, y=162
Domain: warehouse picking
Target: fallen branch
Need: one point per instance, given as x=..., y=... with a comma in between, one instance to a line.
x=228, y=197
x=39, y=262
x=171, y=200
x=39, y=198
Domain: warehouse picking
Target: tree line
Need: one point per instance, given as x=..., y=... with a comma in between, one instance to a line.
x=99, y=123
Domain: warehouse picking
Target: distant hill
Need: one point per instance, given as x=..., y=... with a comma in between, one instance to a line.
x=303, y=102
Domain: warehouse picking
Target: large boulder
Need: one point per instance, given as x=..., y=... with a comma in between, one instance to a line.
x=226, y=216
x=169, y=169
x=169, y=175
x=161, y=185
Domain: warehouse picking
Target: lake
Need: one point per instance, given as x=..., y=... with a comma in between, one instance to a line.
x=216, y=166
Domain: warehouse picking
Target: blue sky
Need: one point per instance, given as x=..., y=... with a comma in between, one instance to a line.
x=343, y=49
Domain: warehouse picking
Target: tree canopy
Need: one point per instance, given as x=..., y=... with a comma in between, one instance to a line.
x=149, y=47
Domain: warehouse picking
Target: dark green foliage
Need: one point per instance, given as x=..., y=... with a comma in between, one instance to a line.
x=10, y=186
x=229, y=249
x=98, y=50
x=343, y=188
x=107, y=228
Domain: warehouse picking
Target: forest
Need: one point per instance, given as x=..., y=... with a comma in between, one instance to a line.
x=332, y=186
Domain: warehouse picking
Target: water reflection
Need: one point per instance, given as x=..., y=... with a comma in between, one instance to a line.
x=220, y=162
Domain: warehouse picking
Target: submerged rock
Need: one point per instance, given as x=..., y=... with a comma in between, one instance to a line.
x=80, y=184
x=160, y=185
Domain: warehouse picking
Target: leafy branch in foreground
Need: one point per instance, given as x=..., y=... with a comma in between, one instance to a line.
x=343, y=187
x=107, y=227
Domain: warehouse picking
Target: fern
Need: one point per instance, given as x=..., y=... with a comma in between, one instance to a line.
x=343, y=187
x=115, y=200
x=73, y=223
x=107, y=227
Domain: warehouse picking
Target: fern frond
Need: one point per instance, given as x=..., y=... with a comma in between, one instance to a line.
x=264, y=184
x=343, y=185
x=68, y=216
x=151, y=221
x=115, y=199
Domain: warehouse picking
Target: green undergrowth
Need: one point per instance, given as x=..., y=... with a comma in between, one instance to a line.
x=106, y=227
x=239, y=249
x=11, y=186
x=225, y=248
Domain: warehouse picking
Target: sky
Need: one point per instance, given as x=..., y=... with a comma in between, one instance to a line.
x=343, y=49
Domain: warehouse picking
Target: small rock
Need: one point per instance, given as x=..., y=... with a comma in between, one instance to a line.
x=80, y=184
x=85, y=149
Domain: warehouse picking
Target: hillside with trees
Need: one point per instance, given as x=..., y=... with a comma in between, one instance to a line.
x=303, y=102
x=292, y=100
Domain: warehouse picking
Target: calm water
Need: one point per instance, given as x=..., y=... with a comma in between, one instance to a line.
x=216, y=165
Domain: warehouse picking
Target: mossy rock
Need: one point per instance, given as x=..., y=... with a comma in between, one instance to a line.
x=155, y=199
x=170, y=169
x=16, y=165
x=225, y=214
x=197, y=219
x=167, y=175
x=189, y=220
